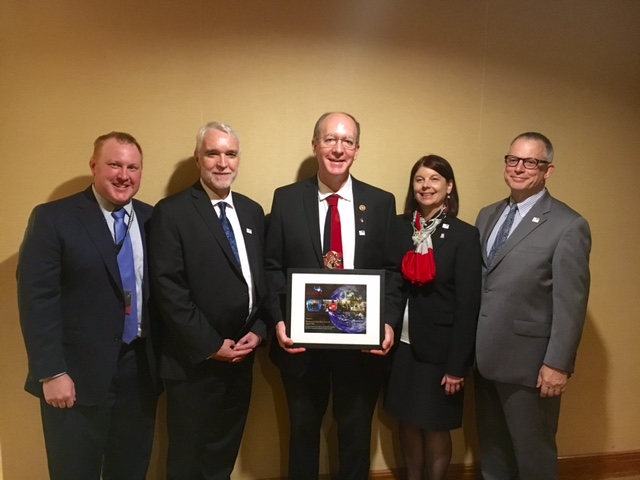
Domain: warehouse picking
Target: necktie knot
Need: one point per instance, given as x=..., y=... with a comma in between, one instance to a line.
x=223, y=207
x=119, y=214
x=332, y=200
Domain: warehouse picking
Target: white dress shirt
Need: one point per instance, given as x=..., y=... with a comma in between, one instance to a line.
x=347, y=219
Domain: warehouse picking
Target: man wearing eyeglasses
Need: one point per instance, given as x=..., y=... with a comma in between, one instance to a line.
x=302, y=235
x=534, y=300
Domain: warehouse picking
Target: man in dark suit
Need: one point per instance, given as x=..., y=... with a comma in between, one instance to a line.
x=295, y=240
x=535, y=290
x=206, y=248
x=88, y=334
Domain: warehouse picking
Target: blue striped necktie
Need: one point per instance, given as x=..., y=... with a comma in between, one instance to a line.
x=127, y=275
x=503, y=234
x=228, y=229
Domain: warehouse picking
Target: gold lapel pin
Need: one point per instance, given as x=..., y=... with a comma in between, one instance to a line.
x=362, y=208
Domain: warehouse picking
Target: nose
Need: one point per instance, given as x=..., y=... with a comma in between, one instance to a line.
x=338, y=148
x=519, y=166
x=222, y=162
x=123, y=173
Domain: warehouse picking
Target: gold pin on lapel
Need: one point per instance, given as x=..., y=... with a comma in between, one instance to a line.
x=362, y=208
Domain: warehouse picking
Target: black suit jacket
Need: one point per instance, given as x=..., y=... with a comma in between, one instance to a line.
x=70, y=296
x=443, y=314
x=293, y=241
x=202, y=295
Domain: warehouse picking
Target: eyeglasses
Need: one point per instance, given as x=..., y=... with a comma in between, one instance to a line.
x=529, y=163
x=347, y=143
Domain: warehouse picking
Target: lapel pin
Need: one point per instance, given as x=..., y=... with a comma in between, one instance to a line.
x=361, y=233
x=445, y=226
x=535, y=219
x=249, y=231
x=362, y=208
x=442, y=235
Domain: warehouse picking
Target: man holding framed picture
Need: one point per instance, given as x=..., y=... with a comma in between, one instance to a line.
x=330, y=221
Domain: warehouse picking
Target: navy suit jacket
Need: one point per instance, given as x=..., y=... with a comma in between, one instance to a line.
x=443, y=314
x=293, y=241
x=70, y=296
x=202, y=294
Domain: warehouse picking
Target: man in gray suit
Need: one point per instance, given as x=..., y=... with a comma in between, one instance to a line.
x=534, y=300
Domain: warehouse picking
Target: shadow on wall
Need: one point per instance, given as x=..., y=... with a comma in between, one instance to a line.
x=19, y=412
x=585, y=401
x=184, y=175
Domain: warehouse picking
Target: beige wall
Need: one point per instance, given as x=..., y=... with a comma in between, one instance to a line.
x=457, y=78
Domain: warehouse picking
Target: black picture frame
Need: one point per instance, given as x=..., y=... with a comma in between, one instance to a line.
x=335, y=308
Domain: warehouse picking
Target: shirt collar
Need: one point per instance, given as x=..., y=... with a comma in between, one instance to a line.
x=345, y=193
x=526, y=205
x=215, y=198
x=107, y=206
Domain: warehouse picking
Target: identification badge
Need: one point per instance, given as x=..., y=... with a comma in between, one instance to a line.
x=128, y=298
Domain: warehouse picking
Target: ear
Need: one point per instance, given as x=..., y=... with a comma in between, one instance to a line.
x=550, y=168
x=92, y=166
x=449, y=186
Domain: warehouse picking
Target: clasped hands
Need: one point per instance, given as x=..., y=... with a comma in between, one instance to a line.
x=235, y=352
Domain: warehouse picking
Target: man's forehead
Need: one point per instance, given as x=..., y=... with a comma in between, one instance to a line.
x=338, y=124
x=213, y=138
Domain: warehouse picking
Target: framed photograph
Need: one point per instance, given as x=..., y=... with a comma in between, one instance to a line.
x=336, y=308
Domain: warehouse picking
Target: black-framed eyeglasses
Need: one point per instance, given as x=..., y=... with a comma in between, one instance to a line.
x=529, y=162
x=347, y=143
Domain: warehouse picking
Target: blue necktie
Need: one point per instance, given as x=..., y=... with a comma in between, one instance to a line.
x=503, y=233
x=127, y=275
x=228, y=229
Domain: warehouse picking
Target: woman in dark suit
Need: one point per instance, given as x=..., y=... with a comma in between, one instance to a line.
x=442, y=271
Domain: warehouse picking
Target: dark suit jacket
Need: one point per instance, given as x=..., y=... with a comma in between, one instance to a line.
x=202, y=295
x=534, y=298
x=443, y=314
x=293, y=241
x=70, y=296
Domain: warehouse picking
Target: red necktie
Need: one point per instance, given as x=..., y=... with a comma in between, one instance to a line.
x=333, y=219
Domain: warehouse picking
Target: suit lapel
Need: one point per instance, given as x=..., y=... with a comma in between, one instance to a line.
x=360, y=211
x=250, y=234
x=536, y=217
x=312, y=216
x=94, y=223
x=441, y=233
x=202, y=204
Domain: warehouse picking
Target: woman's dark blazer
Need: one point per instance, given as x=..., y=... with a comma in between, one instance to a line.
x=443, y=314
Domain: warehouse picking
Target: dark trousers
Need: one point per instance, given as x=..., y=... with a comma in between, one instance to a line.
x=112, y=439
x=517, y=431
x=205, y=420
x=354, y=379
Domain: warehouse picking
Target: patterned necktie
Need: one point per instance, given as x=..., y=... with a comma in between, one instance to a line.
x=127, y=276
x=332, y=229
x=503, y=233
x=228, y=229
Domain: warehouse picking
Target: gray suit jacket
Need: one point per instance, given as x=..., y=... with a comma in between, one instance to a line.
x=534, y=296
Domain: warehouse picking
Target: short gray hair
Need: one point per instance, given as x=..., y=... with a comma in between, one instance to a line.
x=540, y=137
x=221, y=127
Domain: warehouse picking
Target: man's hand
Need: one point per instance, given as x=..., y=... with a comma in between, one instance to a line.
x=226, y=353
x=59, y=392
x=551, y=382
x=247, y=344
x=387, y=343
x=284, y=341
x=452, y=384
